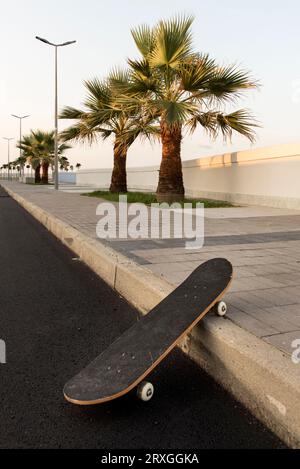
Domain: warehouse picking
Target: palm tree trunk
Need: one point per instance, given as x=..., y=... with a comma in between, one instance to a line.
x=45, y=171
x=119, y=174
x=170, y=185
x=37, y=175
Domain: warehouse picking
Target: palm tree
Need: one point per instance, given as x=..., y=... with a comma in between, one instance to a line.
x=64, y=163
x=38, y=147
x=78, y=166
x=101, y=118
x=45, y=142
x=182, y=89
x=20, y=163
x=30, y=152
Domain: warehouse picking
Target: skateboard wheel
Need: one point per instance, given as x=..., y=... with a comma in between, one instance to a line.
x=145, y=391
x=221, y=308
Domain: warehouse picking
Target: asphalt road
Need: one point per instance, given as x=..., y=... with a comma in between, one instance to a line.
x=56, y=316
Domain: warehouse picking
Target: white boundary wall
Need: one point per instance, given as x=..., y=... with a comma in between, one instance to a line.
x=265, y=176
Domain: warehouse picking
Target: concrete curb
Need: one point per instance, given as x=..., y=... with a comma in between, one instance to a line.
x=258, y=375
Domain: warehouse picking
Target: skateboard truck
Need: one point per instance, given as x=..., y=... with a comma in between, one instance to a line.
x=145, y=390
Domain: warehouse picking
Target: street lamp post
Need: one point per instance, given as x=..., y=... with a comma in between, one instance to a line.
x=8, y=154
x=20, y=119
x=56, y=46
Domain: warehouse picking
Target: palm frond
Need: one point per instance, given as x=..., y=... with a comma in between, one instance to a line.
x=105, y=133
x=196, y=74
x=71, y=133
x=63, y=147
x=214, y=122
x=173, y=42
x=140, y=68
x=240, y=121
x=228, y=82
x=78, y=133
x=144, y=131
x=175, y=111
x=99, y=94
x=118, y=80
x=144, y=38
x=70, y=113
x=207, y=120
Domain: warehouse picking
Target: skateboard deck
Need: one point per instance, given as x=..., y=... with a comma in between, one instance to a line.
x=127, y=362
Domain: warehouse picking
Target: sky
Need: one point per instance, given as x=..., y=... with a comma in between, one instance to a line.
x=262, y=36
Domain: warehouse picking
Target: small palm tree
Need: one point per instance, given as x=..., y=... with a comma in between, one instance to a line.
x=30, y=152
x=38, y=148
x=101, y=118
x=20, y=163
x=78, y=166
x=64, y=163
x=182, y=89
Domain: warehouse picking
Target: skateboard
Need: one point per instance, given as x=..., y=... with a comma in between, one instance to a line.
x=131, y=358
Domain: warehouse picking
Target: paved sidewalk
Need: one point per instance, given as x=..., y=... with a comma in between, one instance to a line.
x=262, y=243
